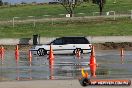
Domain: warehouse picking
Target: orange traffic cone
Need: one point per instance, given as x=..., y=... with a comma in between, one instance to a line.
x=51, y=56
x=92, y=56
x=30, y=58
x=122, y=52
x=17, y=53
x=93, y=63
x=93, y=70
x=51, y=62
x=2, y=53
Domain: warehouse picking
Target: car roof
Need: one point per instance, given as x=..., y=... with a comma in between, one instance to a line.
x=73, y=37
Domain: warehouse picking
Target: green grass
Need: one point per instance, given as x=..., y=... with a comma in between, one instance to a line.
x=119, y=27
x=7, y=13
x=89, y=28
x=24, y=11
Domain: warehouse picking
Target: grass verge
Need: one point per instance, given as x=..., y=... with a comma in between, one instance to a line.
x=119, y=27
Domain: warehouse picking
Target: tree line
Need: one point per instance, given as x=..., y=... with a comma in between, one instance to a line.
x=70, y=5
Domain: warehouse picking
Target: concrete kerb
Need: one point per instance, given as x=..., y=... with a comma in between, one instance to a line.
x=95, y=39
x=116, y=39
x=92, y=39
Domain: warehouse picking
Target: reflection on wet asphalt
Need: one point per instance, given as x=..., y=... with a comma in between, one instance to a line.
x=111, y=65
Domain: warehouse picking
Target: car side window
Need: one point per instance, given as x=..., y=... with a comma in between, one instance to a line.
x=76, y=40
x=57, y=42
x=69, y=41
x=82, y=41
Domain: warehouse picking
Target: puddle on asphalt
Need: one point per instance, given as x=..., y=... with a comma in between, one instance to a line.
x=111, y=65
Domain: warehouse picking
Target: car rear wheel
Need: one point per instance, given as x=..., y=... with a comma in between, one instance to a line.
x=41, y=52
x=74, y=52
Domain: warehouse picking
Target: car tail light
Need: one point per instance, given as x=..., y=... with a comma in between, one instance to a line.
x=90, y=46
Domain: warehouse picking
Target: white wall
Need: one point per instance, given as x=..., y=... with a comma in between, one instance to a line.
x=92, y=39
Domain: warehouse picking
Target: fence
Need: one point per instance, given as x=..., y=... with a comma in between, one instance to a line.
x=34, y=20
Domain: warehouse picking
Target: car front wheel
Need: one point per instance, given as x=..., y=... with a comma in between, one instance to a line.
x=41, y=52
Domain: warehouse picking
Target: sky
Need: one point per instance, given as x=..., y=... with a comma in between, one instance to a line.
x=28, y=1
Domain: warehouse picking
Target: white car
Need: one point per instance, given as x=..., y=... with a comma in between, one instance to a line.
x=63, y=45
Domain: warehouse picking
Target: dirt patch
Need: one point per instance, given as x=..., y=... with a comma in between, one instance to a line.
x=112, y=45
x=98, y=46
x=21, y=47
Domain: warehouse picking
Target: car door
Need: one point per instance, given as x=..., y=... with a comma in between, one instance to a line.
x=61, y=46
x=57, y=44
x=68, y=44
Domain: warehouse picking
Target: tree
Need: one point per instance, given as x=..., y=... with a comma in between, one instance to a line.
x=1, y=2
x=70, y=5
x=100, y=3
